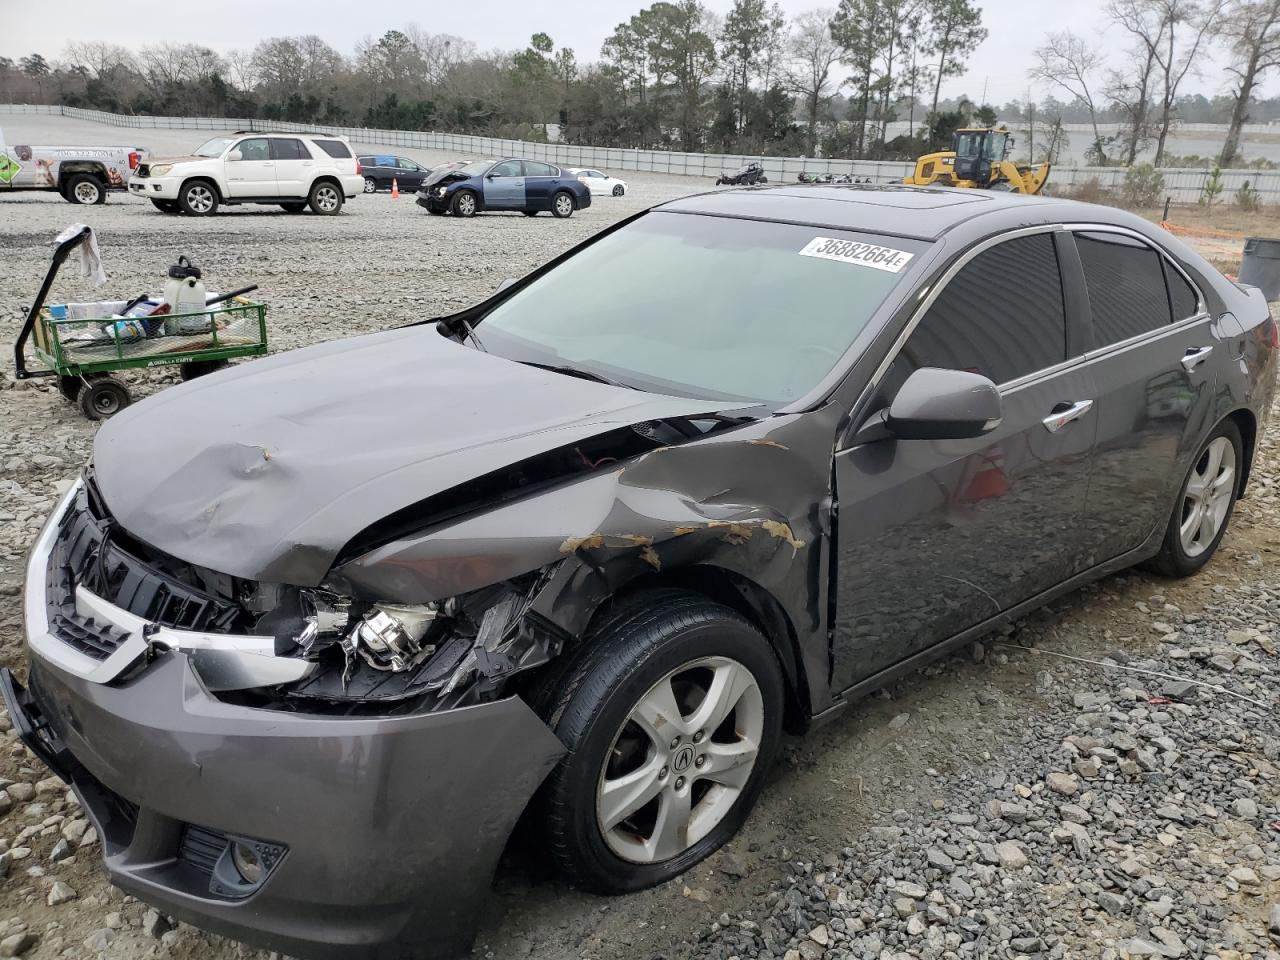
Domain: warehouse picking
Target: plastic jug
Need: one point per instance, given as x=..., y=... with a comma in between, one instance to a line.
x=184, y=293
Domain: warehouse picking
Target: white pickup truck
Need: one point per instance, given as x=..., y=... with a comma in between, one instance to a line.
x=80, y=174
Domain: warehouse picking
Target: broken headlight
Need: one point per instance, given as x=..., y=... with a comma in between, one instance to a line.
x=454, y=648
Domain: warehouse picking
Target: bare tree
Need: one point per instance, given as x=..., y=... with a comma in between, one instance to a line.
x=1252, y=29
x=1129, y=88
x=241, y=72
x=812, y=55
x=1070, y=63
x=1173, y=32
x=100, y=59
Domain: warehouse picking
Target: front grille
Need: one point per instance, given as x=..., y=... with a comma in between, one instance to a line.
x=90, y=551
x=201, y=848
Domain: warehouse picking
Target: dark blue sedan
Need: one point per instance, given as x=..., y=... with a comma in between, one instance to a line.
x=529, y=186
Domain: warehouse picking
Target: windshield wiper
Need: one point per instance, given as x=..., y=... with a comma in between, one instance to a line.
x=570, y=371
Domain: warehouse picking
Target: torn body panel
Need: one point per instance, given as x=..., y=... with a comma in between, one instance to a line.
x=662, y=512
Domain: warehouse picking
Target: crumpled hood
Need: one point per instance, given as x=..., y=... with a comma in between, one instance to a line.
x=266, y=470
x=442, y=176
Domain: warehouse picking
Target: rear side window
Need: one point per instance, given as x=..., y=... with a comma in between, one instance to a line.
x=1001, y=316
x=534, y=168
x=288, y=150
x=1127, y=294
x=334, y=148
x=1182, y=296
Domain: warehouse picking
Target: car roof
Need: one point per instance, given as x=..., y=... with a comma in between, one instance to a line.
x=923, y=213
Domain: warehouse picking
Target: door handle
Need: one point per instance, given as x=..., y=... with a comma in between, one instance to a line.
x=1195, y=356
x=1069, y=413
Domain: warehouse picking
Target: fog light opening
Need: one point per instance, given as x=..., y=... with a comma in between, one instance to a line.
x=247, y=863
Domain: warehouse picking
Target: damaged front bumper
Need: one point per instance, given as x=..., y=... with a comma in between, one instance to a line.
x=379, y=835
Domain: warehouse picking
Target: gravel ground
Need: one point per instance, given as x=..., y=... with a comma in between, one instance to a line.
x=1002, y=803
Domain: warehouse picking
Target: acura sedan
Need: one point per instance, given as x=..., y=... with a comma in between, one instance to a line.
x=309, y=636
x=529, y=186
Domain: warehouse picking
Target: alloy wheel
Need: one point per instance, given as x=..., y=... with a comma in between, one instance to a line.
x=564, y=205
x=369, y=185
x=1207, y=498
x=327, y=199
x=466, y=205
x=200, y=198
x=680, y=760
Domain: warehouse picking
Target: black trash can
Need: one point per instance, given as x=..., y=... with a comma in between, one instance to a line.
x=1260, y=265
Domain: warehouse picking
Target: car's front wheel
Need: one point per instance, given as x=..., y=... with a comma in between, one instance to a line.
x=671, y=715
x=1205, y=504
x=463, y=204
x=325, y=199
x=198, y=198
x=562, y=205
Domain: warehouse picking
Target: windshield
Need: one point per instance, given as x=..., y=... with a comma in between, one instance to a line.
x=214, y=147
x=707, y=307
x=475, y=167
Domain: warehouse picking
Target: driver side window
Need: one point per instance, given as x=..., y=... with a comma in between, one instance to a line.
x=508, y=168
x=1002, y=316
x=255, y=149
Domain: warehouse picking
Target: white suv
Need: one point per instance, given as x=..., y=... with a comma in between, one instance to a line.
x=289, y=169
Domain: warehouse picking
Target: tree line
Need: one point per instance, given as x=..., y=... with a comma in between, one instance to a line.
x=675, y=75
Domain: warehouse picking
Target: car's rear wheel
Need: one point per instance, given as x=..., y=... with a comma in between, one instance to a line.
x=165, y=206
x=671, y=714
x=198, y=198
x=1205, y=504
x=85, y=188
x=619, y=190
x=325, y=199
x=370, y=185
x=463, y=204
x=563, y=205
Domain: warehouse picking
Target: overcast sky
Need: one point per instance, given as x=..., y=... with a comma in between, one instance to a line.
x=1000, y=64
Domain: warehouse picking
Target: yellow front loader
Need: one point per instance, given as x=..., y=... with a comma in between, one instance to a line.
x=977, y=160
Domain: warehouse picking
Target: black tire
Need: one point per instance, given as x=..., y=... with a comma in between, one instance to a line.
x=295, y=207
x=1173, y=560
x=530, y=213
x=69, y=387
x=165, y=206
x=103, y=398
x=198, y=368
x=325, y=198
x=370, y=185
x=464, y=204
x=85, y=189
x=588, y=700
x=619, y=190
x=198, y=198
x=563, y=205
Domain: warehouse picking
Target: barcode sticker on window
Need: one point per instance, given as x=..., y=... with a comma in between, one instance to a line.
x=858, y=253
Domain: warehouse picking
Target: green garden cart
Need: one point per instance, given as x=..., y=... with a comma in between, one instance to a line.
x=85, y=344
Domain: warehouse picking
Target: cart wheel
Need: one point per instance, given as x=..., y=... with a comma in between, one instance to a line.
x=198, y=368
x=103, y=398
x=69, y=387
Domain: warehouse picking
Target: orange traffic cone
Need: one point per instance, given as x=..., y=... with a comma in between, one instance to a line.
x=395, y=189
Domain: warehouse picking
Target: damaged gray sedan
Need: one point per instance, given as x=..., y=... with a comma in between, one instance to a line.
x=309, y=636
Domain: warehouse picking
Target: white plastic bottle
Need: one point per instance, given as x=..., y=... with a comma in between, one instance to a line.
x=184, y=293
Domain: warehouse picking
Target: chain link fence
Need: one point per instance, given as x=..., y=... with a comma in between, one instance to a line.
x=1182, y=185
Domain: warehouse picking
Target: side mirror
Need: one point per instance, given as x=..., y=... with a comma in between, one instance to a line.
x=936, y=404
x=235, y=155
x=506, y=282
